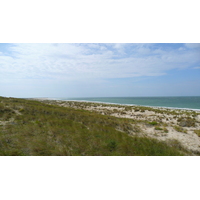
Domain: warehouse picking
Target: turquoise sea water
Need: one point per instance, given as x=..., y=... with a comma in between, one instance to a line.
x=173, y=102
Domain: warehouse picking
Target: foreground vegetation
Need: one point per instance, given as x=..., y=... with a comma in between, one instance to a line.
x=30, y=127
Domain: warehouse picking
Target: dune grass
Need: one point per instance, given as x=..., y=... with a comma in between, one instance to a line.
x=33, y=128
x=197, y=132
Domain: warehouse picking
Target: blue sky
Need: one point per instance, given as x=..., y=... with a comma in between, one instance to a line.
x=99, y=69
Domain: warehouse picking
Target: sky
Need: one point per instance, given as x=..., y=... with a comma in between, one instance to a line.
x=67, y=70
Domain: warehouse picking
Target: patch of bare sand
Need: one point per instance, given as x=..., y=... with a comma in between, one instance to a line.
x=189, y=140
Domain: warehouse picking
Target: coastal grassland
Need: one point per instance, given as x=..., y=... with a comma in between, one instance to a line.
x=30, y=127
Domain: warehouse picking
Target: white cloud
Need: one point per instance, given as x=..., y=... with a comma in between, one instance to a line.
x=91, y=61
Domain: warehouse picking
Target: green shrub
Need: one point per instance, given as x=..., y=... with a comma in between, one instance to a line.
x=197, y=132
x=158, y=128
x=186, y=122
x=21, y=110
x=153, y=123
x=180, y=129
x=165, y=130
x=112, y=145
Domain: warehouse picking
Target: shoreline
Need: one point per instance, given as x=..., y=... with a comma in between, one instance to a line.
x=159, y=107
x=110, y=103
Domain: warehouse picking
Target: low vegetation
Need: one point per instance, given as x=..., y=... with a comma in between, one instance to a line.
x=158, y=128
x=197, y=132
x=153, y=123
x=29, y=127
x=187, y=122
x=180, y=129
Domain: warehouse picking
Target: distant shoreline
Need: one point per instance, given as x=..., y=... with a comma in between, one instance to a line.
x=159, y=107
x=110, y=103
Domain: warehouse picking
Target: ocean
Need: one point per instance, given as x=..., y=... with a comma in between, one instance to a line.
x=189, y=102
